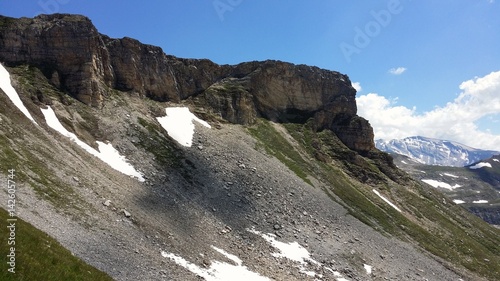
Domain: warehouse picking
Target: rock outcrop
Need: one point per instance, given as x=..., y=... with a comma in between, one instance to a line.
x=68, y=50
x=76, y=58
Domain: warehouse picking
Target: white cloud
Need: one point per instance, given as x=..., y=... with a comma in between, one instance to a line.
x=480, y=97
x=397, y=71
x=357, y=86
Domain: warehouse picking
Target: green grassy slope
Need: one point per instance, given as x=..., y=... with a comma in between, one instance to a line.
x=40, y=257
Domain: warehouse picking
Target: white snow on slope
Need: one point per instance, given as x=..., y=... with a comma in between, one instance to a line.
x=458, y=201
x=113, y=158
x=387, y=200
x=292, y=251
x=107, y=153
x=53, y=122
x=222, y=271
x=480, y=202
x=337, y=275
x=451, y=175
x=368, y=269
x=297, y=253
x=480, y=165
x=435, y=183
x=218, y=271
x=234, y=258
x=496, y=160
x=6, y=86
x=179, y=124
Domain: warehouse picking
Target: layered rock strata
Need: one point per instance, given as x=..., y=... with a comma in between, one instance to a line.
x=87, y=65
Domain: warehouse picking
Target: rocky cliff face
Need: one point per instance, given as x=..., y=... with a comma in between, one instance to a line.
x=68, y=50
x=88, y=65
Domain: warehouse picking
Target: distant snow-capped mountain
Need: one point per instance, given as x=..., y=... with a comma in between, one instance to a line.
x=435, y=151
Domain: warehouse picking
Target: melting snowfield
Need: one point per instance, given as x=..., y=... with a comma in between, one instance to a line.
x=480, y=165
x=451, y=175
x=222, y=271
x=387, y=200
x=218, y=271
x=436, y=184
x=292, y=251
x=6, y=86
x=368, y=269
x=179, y=124
x=297, y=253
x=107, y=153
x=458, y=201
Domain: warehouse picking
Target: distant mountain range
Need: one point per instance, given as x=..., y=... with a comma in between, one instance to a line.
x=435, y=151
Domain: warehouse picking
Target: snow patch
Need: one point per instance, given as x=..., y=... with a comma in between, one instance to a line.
x=404, y=162
x=337, y=274
x=179, y=124
x=451, y=175
x=480, y=202
x=106, y=153
x=218, y=271
x=387, y=201
x=113, y=158
x=6, y=86
x=368, y=269
x=458, y=201
x=480, y=165
x=53, y=122
x=292, y=251
x=234, y=258
x=295, y=252
x=436, y=184
x=496, y=160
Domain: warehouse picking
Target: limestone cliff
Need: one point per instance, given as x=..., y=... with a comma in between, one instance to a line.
x=87, y=65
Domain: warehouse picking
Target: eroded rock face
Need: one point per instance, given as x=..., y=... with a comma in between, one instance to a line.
x=66, y=48
x=149, y=71
x=87, y=65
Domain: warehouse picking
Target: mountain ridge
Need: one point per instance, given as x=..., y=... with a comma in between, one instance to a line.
x=240, y=193
x=77, y=59
x=433, y=151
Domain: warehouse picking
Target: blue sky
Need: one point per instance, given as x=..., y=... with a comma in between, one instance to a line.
x=431, y=46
